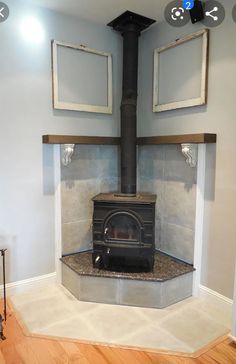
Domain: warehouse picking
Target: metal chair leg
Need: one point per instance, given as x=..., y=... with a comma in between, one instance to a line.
x=2, y=337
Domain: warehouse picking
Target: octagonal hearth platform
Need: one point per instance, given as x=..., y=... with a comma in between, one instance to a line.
x=170, y=282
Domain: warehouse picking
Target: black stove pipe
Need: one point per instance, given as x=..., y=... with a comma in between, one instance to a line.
x=128, y=109
x=130, y=25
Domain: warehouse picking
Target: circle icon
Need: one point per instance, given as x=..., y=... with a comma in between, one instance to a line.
x=234, y=13
x=176, y=15
x=4, y=12
x=214, y=13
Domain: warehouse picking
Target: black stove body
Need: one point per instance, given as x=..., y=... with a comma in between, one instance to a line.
x=123, y=232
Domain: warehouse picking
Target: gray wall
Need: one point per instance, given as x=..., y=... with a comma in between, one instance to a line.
x=217, y=117
x=26, y=183
x=164, y=171
x=94, y=169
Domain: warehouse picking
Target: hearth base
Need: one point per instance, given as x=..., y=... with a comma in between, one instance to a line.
x=170, y=282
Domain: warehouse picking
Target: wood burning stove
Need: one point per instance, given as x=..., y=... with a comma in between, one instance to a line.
x=124, y=224
x=124, y=232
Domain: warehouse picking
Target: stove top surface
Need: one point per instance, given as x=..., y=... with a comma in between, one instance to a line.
x=125, y=198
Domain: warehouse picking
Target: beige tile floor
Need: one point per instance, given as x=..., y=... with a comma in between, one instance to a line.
x=184, y=327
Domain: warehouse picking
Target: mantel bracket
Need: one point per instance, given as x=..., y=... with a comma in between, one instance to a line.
x=190, y=153
x=67, y=151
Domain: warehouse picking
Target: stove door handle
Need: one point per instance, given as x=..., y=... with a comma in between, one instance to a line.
x=106, y=233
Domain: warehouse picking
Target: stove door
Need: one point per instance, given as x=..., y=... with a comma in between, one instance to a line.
x=123, y=227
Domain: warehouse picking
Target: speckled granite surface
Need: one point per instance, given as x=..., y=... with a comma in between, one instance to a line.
x=165, y=268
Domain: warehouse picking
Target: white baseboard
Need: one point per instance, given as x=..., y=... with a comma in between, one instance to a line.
x=27, y=284
x=232, y=337
x=204, y=291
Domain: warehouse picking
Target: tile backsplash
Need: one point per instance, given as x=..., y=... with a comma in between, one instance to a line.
x=94, y=169
x=163, y=170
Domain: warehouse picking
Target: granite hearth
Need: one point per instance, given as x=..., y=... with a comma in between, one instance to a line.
x=170, y=282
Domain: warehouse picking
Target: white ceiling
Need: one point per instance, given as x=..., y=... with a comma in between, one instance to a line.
x=103, y=11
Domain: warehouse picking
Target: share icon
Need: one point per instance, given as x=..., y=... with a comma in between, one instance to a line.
x=214, y=13
x=209, y=13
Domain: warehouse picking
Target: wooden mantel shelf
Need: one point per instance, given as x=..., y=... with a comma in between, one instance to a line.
x=178, y=139
x=153, y=140
x=77, y=139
